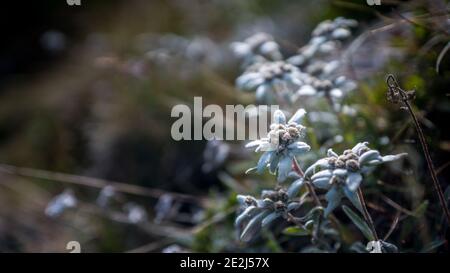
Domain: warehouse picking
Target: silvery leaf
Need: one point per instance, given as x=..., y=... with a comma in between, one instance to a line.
x=309, y=50
x=321, y=163
x=299, y=145
x=241, y=199
x=388, y=247
x=240, y=49
x=331, y=153
x=279, y=117
x=293, y=206
x=263, y=161
x=294, y=175
x=375, y=162
x=322, y=174
x=267, y=192
x=293, y=80
x=368, y=156
x=253, y=227
x=266, y=146
x=262, y=92
x=298, y=148
x=298, y=116
x=269, y=47
x=249, y=81
x=284, y=167
x=274, y=163
x=333, y=197
x=318, y=40
x=60, y=203
x=341, y=33
x=306, y=90
x=270, y=218
x=326, y=48
x=295, y=187
x=359, y=223
x=347, y=85
x=388, y=158
x=353, y=197
x=381, y=246
x=253, y=143
x=246, y=77
x=374, y=247
x=296, y=60
x=353, y=180
x=336, y=93
x=322, y=183
x=245, y=215
x=330, y=67
x=367, y=169
x=340, y=172
x=264, y=204
x=359, y=146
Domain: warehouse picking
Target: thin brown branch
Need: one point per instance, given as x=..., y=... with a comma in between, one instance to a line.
x=396, y=206
x=397, y=94
x=310, y=188
x=366, y=214
x=95, y=183
x=393, y=225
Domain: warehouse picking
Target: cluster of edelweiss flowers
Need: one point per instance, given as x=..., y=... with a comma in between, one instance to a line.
x=313, y=71
x=273, y=78
x=341, y=175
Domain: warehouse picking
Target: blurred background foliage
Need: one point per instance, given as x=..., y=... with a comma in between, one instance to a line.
x=88, y=90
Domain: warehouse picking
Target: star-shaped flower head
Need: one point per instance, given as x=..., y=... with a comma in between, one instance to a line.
x=326, y=38
x=259, y=213
x=281, y=145
x=259, y=47
x=272, y=79
x=334, y=89
x=342, y=174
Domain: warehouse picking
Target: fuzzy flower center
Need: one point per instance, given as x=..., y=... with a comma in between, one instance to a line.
x=275, y=70
x=348, y=161
x=284, y=135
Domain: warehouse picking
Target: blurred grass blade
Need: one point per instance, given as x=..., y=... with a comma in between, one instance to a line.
x=432, y=246
x=441, y=56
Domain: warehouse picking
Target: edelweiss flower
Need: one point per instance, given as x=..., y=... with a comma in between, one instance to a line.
x=60, y=203
x=271, y=78
x=335, y=89
x=281, y=145
x=257, y=48
x=325, y=39
x=381, y=246
x=258, y=213
x=342, y=174
x=337, y=28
